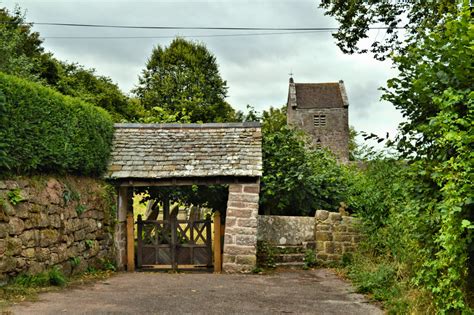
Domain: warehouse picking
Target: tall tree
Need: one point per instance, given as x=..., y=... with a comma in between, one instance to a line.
x=20, y=48
x=401, y=18
x=184, y=79
x=434, y=93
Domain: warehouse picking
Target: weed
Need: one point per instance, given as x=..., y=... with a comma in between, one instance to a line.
x=56, y=277
x=70, y=194
x=310, y=259
x=257, y=270
x=14, y=196
x=52, y=277
x=75, y=261
x=80, y=209
x=265, y=255
x=89, y=243
x=108, y=265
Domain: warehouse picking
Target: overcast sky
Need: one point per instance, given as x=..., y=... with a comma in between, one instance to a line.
x=256, y=68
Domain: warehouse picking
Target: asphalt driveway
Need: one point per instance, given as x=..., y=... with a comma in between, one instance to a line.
x=300, y=292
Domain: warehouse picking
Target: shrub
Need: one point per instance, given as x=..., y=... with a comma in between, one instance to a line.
x=49, y=132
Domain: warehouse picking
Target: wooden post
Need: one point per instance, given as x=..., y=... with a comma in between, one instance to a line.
x=217, y=243
x=174, y=242
x=139, y=240
x=130, y=243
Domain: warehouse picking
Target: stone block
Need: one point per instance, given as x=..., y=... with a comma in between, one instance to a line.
x=240, y=213
x=234, y=250
x=244, y=231
x=323, y=236
x=342, y=237
x=42, y=254
x=22, y=210
x=249, y=260
x=228, y=259
x=248, y=223
x=3, y=246
x=16, y=226
x=35, y=267
x=252, y=189
x=79, y=235
x=247, y=240
x=323, y=227
x=4, y=229
x=37, y=220
x=334, y=217
x=322, y=256
x=7, y=264
x=28, y=253
x=48, y=237
x=322, y=215
x=14, y=245
x=228, y=238
x=338, y=248
x=230, y=221
x=235, y=188
x=329, y=247
x=30, y=238
x=340, y=228
x=320, y=246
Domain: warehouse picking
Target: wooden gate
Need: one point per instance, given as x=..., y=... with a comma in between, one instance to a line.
x=173, y=242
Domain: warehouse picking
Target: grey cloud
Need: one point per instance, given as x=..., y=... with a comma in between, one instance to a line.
x=255, y=67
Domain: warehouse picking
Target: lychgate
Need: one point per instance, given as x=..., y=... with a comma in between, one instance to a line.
x=148, y=155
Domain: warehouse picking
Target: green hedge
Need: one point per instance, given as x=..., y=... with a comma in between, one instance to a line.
x=44, y=131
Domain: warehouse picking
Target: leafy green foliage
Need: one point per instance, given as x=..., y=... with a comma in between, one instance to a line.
x=75, y=261
x=14, y=196
x=296, y=179
x=265, y=255
x=356, y=17
x=184, y=79
x=80, y=209
x=75, y=80
x=20, y=48
x=310, y=259
x=52, y=277
x=49, y=132
x=425, y=226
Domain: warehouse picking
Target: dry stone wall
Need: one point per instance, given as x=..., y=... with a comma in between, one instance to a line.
x=330, y=234
x=335, y=235
x=46, y=222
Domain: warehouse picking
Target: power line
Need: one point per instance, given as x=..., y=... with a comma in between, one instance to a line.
x=192, y=27
x=168, y=36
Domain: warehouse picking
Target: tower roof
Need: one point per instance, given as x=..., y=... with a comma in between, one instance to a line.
x=320, y=95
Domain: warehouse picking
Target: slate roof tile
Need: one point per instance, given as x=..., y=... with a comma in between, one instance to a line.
x=193, y=150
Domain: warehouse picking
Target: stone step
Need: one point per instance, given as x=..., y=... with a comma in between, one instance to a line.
x=283, y=258
x=289, y=249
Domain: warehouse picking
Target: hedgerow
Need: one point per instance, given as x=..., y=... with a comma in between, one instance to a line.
x=45, y=131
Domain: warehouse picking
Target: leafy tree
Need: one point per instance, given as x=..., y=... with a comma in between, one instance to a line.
x=20, y=48
x=23, y=55
x=355, y=18
x=434, y=93
x=297, y=180
x=184, y=78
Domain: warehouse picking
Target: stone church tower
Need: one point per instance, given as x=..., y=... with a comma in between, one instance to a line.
x=321, y=110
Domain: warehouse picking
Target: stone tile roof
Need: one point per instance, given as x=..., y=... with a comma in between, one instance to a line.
x=156, y=151
x=319, y=95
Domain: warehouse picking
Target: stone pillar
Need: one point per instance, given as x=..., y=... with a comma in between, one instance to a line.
x=125, y=201
x=240, y=238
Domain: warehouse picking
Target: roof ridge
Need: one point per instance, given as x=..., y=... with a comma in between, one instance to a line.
x=250, y=124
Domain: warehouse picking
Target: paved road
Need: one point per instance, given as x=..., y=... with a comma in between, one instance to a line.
x=299, y=292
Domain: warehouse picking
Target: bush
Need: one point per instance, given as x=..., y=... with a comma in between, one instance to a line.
x=49, y=132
